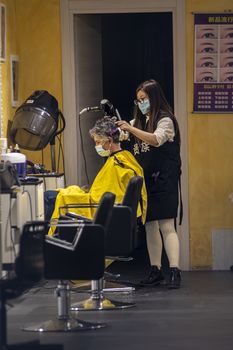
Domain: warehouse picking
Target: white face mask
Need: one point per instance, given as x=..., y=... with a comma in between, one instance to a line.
x=101, y=151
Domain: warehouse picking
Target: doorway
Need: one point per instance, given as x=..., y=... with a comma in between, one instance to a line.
x=114, y=53
x=71, y=85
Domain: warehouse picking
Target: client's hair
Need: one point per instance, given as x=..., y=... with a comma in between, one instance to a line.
x=106, y=127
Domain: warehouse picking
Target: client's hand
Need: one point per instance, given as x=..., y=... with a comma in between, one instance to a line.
x=85, y=188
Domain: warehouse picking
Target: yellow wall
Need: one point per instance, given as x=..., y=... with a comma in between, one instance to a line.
x=33, y=32
x=210, y=157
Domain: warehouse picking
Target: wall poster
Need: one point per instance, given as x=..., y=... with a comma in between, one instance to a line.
x=213, y=63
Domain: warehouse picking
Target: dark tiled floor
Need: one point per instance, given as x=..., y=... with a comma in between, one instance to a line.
x=198, y=316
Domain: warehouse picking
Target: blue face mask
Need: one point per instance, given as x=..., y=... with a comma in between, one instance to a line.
x=144, y=106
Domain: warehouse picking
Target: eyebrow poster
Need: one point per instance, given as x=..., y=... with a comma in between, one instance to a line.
x=213, y=63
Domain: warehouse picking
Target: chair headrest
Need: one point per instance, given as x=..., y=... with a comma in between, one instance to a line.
x=133, y=193
x=104, y=212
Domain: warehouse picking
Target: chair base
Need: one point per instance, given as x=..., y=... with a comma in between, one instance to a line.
x=64, y=325
x=102, y=303
x=109, y=287
x=114, y=287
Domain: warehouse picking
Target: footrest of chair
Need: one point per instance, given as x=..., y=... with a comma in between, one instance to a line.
x=120, y=258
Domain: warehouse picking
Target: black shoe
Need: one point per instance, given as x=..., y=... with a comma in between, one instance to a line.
x=174, y=278
x=154, y=278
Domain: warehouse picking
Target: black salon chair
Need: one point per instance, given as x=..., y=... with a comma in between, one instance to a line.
x=56, y=259
x=121, y=237
x=83, y=258
x=120, y=242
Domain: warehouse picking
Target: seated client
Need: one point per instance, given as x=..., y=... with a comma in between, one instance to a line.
x=114, y=176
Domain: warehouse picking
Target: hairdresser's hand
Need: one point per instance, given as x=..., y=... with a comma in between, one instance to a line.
x=123, y=125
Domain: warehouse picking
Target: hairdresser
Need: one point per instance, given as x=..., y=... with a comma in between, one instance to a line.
x=155, y=138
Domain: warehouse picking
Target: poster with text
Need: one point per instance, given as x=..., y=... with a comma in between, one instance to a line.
x=213, y=63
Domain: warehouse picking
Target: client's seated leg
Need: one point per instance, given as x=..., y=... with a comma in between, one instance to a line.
x=49, y=203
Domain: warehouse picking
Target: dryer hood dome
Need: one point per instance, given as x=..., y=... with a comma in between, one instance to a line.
x=36, y=121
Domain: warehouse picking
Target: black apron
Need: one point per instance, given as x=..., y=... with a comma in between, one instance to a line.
x=162, y=169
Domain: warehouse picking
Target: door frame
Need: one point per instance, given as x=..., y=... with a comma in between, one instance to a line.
x=68, y=9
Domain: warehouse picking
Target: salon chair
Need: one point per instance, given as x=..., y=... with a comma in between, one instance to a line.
x=120, y=242
x=121, y=237
x=51, y=258
x=83, y=258
x=28, y=271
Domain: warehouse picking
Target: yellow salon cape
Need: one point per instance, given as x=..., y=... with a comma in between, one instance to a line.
x=113, y=177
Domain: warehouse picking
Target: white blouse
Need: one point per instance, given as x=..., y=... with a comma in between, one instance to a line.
x=164, y=132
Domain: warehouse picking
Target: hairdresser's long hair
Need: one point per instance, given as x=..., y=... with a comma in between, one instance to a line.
x=158, y=105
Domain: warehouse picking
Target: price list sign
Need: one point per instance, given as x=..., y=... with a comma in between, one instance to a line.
x=213, y=63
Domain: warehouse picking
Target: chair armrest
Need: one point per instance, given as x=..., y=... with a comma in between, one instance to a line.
x=59, y=242
x=66, y=228
x=84, y=205
x=77, y=205
x=74, y=216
